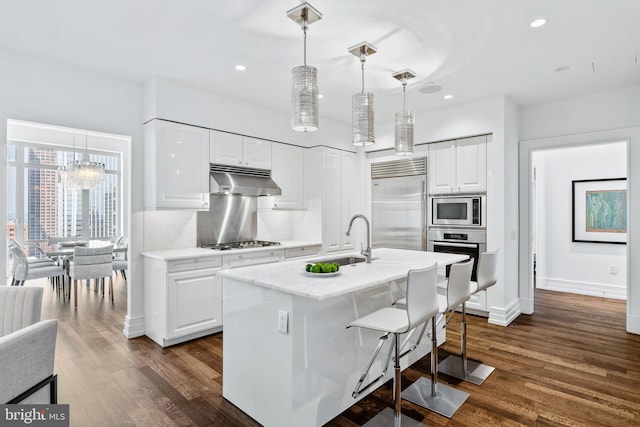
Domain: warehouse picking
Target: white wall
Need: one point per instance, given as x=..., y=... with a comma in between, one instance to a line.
x=604, y=116
x=564, y=265
x=41, y=91
x=170, y=100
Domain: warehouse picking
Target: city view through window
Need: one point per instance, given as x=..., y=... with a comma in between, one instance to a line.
x=40, y=207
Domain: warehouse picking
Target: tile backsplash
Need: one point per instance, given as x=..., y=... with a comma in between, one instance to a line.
x=169, y=230
x=178, y=229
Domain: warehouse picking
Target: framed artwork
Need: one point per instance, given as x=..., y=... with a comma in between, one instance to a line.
x=599, y=210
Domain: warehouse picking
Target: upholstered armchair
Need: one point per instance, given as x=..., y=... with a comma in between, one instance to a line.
x=27, y=348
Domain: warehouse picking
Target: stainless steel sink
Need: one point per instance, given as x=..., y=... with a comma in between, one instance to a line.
x=343, y=260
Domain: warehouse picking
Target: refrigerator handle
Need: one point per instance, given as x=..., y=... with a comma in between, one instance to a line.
x=423, y=217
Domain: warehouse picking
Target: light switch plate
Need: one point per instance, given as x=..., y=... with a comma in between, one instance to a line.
x=283, y=321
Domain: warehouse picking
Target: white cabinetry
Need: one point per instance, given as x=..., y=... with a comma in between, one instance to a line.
x=237, y=150
x=263, y=256
x=287, y=171
x=183, y=298
x=458, y=166
x=302, y=252
x=330, y=192
x=176, y=166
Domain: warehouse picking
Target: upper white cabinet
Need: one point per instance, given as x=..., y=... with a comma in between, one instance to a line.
x=287, y=170
x=238, y=150
x=458, y=166
x=176, y=166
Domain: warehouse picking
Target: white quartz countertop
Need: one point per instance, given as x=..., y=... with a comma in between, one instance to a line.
x=171, y=254
x=387, y=265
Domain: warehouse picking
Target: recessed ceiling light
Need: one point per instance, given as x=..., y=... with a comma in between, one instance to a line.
x=241, y=67
x=538, y=22
x=448, y=96
x=320, y=96
x=561, y=69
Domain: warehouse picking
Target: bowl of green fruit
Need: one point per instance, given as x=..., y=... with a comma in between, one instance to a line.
x=322, y=269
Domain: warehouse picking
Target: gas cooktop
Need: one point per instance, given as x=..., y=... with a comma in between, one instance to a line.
x=239, y=245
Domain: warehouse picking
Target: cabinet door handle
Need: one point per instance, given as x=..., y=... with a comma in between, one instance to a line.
x=196, y=260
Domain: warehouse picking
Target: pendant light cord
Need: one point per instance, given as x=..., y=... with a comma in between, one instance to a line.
x=305, y=26
x=363, y=58
x=404, y=95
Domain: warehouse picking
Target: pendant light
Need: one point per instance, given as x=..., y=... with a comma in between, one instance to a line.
x=362, y=103
x=404, y=120
x=304, y=79
x=81, y=174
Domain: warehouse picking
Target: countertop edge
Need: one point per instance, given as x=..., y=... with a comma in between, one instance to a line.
x=172, y=254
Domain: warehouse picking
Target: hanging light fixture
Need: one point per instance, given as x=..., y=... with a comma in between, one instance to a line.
x=362, y=103
x=81, y=174
x=304, y=79
x=404, y=120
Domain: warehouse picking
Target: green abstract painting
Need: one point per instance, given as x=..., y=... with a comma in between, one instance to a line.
x=606, y=211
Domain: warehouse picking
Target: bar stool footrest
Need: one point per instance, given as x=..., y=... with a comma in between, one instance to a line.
x=446, y=401
x=386, y=418
x=476, y=371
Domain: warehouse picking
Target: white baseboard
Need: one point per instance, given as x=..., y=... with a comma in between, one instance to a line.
x=583, y=288
x=133, y=326
x=503, y=317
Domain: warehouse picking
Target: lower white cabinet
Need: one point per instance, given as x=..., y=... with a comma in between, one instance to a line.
x=301, y=252
x=263, y=256
x=183, y=298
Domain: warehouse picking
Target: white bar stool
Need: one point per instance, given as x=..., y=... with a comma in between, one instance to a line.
x=459, y=366
x=441, y=398
x=421, y=304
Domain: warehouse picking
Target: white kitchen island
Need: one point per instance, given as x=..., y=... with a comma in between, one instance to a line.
x=287, y=358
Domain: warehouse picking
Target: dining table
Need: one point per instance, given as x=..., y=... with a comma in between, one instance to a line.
x=65, y=249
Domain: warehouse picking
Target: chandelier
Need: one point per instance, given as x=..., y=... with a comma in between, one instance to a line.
x=304, y=81
x=362, y=103
x=81, y=174
x=404, y=120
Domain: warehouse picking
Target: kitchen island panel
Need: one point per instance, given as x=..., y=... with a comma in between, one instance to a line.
x=305, y=377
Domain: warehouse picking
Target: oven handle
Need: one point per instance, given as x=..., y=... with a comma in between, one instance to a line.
x=456, y=245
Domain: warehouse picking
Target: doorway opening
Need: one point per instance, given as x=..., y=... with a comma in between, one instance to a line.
x=551, y=258
x=41, y=207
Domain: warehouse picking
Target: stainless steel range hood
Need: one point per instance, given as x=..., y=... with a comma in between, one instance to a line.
x=224, y=179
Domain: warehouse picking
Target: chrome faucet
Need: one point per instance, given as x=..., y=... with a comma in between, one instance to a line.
x=365, y=252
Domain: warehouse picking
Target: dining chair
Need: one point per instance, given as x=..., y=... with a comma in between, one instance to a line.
x=120, y=259
x=23, y=270
x=91, y=263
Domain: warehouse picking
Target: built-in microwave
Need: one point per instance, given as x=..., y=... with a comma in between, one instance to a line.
x=466, y=211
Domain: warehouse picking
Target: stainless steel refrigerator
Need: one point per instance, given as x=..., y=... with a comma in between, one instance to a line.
x=399, y=204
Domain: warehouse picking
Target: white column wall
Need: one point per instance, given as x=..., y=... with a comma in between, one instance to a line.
x=43, y=91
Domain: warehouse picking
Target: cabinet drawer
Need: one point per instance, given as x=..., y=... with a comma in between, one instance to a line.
x=194, y=263
x=252, y=258
x=301, y=252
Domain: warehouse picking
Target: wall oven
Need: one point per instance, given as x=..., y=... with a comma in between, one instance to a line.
x=456, y=241
x=458, y=210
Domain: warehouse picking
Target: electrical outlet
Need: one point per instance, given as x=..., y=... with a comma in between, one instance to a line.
x=283, y=321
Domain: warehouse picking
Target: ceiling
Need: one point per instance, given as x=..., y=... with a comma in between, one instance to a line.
x=472, y=49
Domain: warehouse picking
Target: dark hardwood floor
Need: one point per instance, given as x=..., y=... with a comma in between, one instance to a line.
x=571, y=364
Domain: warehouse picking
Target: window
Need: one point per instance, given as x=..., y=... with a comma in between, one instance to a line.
x=40, y=207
